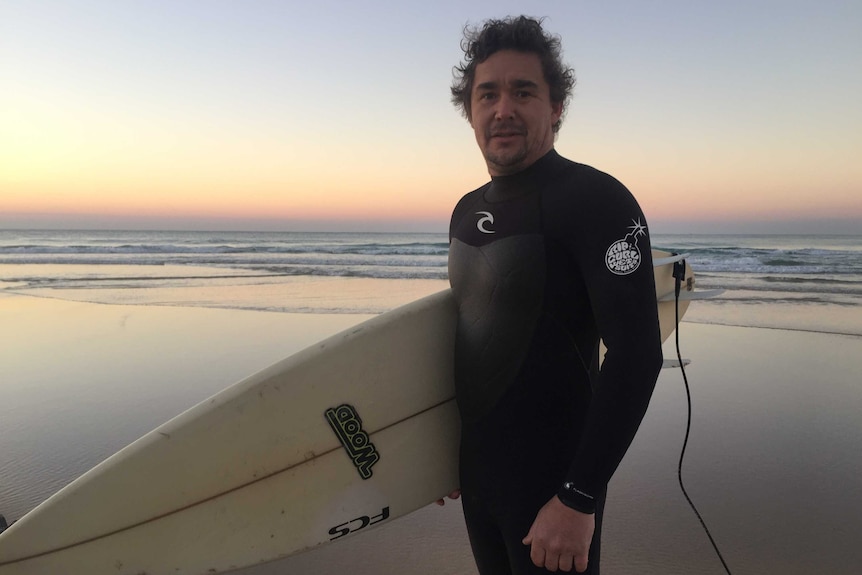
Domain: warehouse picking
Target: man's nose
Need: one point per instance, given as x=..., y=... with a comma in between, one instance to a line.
x=505, y=108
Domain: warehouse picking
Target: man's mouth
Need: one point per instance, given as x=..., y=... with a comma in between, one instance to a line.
x=506, y=132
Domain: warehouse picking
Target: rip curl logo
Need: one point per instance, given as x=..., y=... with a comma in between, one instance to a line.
x=488, y=219
x=624, y=256
x=346, y=424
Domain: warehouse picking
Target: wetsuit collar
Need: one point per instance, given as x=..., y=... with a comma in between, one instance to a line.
x=525, y=182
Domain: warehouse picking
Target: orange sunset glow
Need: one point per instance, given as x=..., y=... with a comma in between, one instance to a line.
x=160, y=127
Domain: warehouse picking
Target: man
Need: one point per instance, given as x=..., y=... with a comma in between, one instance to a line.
x=544, y=260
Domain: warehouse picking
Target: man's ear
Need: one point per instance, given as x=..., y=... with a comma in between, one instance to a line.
x=557, y=110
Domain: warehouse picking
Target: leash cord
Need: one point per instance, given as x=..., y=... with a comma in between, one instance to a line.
x=679, y=274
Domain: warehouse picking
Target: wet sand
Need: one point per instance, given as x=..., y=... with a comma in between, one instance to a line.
x=773, y=462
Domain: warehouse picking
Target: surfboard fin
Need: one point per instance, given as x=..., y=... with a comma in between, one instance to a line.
x=671, y=363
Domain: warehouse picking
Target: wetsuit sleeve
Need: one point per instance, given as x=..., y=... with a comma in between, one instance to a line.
x=611, y=246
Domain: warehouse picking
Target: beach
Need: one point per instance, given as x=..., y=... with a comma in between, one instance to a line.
x=773, y=460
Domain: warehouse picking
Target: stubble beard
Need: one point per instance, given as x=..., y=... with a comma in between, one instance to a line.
x=508, y=161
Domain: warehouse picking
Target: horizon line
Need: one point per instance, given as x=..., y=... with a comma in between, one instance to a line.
x=799, y=226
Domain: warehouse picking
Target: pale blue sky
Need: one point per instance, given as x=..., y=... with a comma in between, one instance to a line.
x=723, y=114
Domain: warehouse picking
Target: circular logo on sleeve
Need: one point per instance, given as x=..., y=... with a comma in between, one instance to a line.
x=624, y=256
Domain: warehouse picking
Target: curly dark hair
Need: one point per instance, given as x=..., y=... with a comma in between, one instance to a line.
x=523, y=34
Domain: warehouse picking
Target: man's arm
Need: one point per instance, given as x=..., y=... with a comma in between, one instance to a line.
x=610, y=243
x=612, y=249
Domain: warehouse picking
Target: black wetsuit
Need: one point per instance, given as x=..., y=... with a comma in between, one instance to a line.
x=542, y=264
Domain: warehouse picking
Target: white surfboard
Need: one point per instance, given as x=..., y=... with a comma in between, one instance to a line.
x=350, y=433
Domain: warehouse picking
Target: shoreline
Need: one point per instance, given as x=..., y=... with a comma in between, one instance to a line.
x=836, y=320
x=775, y=328
x=244, y=288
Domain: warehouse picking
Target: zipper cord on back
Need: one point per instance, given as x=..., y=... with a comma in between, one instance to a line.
x=679, y=276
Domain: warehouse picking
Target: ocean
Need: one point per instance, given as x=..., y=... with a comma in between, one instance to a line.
x=817, y=270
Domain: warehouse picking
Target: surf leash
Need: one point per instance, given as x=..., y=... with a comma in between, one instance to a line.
x=679, y=277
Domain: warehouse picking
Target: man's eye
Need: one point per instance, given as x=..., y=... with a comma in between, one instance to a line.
x=523, y=94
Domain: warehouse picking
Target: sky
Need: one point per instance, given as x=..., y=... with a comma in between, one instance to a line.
x=739, y=116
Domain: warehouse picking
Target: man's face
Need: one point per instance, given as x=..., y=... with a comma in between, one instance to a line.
x=511, y=111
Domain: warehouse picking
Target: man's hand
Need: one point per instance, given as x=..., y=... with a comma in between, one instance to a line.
x=560, y=537
x=454, y=495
